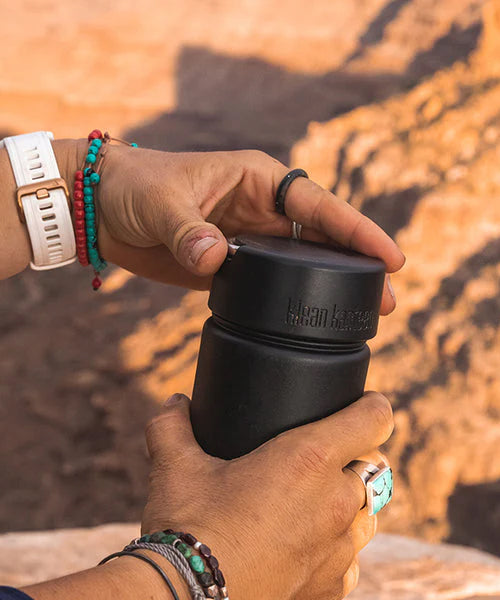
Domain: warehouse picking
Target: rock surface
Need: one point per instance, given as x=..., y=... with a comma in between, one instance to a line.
x=394, y=567
x=218, y=72
x=391, y=103
x=391, y=566
x=424, y=165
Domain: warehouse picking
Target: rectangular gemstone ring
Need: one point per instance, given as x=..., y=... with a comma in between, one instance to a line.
x=378, y=482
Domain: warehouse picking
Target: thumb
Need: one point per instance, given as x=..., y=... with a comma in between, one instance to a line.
x=170, y=436
x=198, y=246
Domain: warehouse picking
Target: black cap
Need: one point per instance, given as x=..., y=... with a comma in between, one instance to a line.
x=299, y=290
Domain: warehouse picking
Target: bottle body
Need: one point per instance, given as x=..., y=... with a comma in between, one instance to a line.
x=249, y=389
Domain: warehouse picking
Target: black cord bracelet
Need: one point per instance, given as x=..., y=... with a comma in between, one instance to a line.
x=148, y=560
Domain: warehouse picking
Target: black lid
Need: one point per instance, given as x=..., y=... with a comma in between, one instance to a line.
x=299, y=290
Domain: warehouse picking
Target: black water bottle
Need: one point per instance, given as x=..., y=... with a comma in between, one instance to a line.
x=286, y=342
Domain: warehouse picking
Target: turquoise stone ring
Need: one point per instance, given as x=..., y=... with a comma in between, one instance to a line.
x=378, y=484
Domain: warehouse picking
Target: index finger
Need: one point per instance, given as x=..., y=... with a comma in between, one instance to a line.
x=356, y=430
x=312, y=206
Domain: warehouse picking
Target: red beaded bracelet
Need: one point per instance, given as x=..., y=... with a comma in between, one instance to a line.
x=79, y=212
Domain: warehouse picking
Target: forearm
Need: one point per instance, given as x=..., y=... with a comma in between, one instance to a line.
x=15, y=248
x=126, y=578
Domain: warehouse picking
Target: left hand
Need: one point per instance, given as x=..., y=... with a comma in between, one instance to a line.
x=166, y=215
x=285, y=519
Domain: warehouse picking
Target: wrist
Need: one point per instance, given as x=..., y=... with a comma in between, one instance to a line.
x=172, y=573
x=134, y=575
x=126, y=578
x=15, y=247
x=69, y=156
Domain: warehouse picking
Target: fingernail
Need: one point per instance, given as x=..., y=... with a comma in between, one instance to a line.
x=201, y=247
x=174, y=399
x=391, y=289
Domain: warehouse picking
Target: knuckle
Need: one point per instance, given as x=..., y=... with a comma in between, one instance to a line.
x=152, y=427
x=163, y=421
x=382, y=415
x=160, y=427
x=311, y=459
x=258, y=160
x=258, y=155
x=209, y=167
x=181, y=229
x=186, y=232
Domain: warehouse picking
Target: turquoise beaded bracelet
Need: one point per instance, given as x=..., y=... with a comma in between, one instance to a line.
x=91, y=178
x=212, y=580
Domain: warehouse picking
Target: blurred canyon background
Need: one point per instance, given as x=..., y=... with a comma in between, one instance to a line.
x=392, y=104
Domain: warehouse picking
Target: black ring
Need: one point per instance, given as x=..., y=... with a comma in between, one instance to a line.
x=283, y=188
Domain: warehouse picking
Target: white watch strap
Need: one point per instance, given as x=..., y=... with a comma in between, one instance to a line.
x=45, y=207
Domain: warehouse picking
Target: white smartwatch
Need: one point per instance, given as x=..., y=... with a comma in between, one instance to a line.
x=42, y=199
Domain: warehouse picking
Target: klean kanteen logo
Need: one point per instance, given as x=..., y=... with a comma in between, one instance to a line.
x=300, y=314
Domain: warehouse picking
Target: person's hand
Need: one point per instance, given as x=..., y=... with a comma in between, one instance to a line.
x=166, y=215
x=285, y=520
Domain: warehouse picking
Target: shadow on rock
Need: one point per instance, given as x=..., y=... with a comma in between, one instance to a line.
x=231, y=103
x=474, y=516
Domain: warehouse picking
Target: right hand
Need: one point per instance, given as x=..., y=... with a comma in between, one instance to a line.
x=285, y=520
x=166, y=215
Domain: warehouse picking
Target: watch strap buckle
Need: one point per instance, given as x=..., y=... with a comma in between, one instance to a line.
x=41, y=191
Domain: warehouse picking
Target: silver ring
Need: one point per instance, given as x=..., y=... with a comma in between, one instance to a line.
x=378, y=483
x=296, y=230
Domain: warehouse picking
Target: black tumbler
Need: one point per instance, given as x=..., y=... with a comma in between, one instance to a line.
x=286, y=342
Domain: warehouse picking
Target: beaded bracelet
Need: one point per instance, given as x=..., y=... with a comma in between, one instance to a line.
x=86, y=180
x=178, y=561
x=210, y=560
x=79, y=213
x=91, y=178
x=212, y=580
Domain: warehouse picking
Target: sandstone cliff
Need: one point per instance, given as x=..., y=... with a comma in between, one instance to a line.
x=424, y=165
